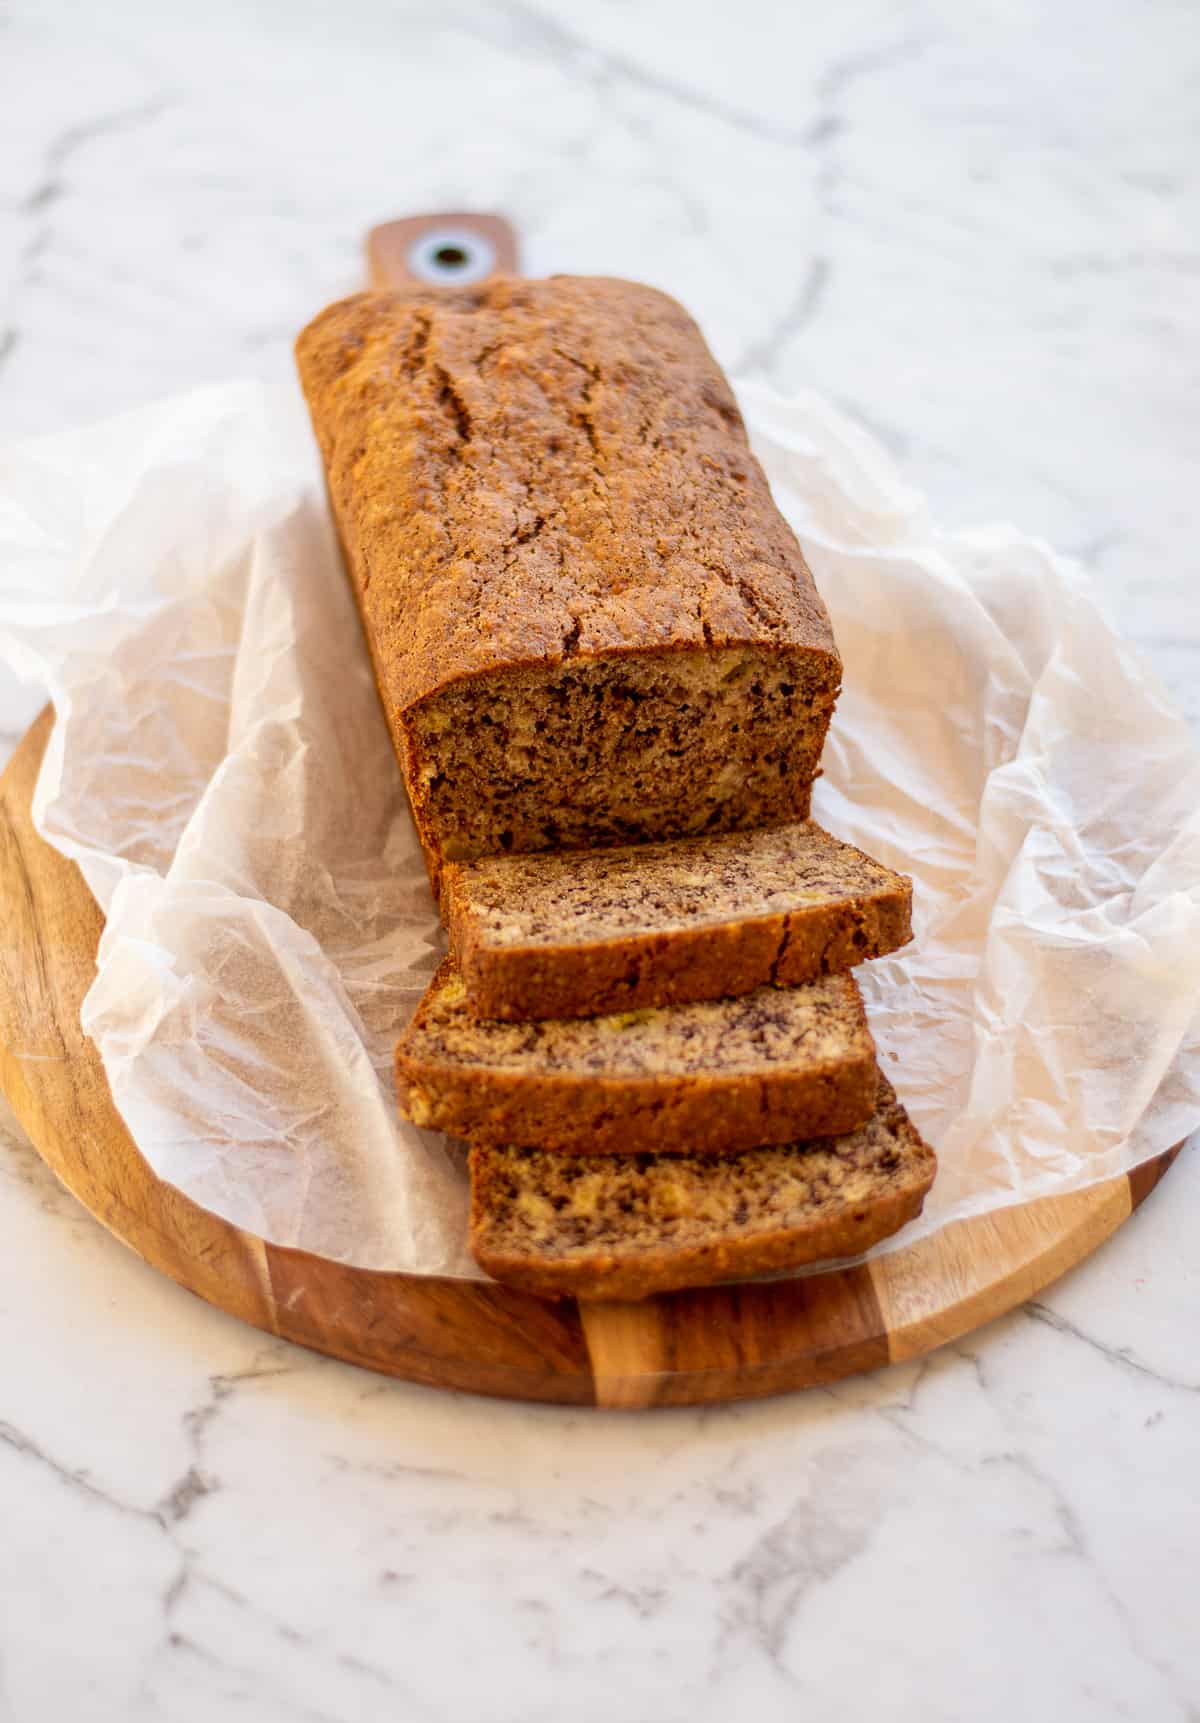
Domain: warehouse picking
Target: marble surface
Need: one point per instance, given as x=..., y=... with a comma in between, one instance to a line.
x=975, y=227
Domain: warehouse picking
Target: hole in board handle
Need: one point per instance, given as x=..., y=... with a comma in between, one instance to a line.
x=451, y=256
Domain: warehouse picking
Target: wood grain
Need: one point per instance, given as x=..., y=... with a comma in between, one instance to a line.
x=766, y=1336
x=720, y=1343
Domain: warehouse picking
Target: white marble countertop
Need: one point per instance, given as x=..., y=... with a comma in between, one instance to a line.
x=976, y=228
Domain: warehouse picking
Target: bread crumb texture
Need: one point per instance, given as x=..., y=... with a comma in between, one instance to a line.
x=584, y=896
x=818, y=1024
x=643, y=1223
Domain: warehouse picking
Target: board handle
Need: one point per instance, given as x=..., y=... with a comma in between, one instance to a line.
x=447, y=249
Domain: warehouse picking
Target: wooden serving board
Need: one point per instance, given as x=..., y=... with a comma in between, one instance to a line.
x=726, y=1343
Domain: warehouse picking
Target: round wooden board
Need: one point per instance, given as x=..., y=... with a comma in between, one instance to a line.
x=723, y=1343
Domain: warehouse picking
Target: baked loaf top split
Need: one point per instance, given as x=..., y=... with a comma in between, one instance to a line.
x=528, y=471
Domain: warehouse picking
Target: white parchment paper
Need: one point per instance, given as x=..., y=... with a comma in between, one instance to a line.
x=221, y=772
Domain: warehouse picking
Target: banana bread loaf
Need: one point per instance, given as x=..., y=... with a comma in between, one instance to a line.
x=639, y=1224
x=589, y=622
x=704, y=1078
x=589, y=931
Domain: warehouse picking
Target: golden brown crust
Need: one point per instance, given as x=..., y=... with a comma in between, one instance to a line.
x=530, y=470
x=895, y=1169
x=708, y=1079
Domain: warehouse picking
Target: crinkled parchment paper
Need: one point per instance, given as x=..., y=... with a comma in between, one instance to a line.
x=221, y=772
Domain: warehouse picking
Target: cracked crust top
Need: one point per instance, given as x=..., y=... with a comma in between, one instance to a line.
x=529, y=471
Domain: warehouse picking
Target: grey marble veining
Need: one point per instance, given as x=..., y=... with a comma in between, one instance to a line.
x=976, y=229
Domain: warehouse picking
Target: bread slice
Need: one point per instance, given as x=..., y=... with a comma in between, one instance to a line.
x=588, y=931
x=707, y=1078
x=641, y=1224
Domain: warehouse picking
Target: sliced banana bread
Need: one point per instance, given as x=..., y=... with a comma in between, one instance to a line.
x=589, y=622
x=707, y=1078
x=588, y=931
x=640, y=1224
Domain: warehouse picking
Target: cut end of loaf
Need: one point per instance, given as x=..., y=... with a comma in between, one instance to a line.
x=619, y=749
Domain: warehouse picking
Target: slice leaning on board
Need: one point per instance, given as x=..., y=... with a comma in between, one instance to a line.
x=608, y=675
